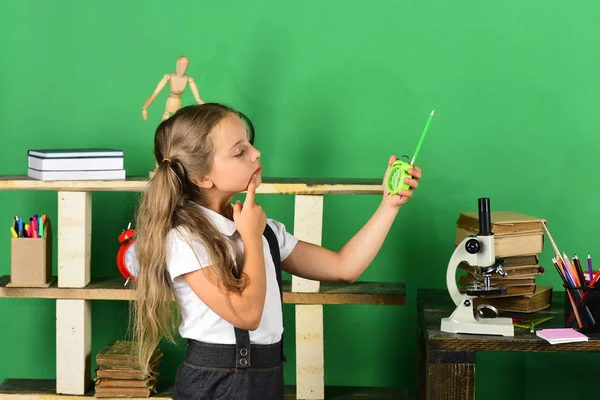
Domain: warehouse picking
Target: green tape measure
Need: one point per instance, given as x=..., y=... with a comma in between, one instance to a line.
x=398, y=172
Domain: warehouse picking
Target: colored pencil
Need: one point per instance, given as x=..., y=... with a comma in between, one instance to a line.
x=579, y=271
x=421, y=138
x=551, y=240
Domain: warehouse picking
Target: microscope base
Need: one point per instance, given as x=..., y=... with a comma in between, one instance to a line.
x=462, y=320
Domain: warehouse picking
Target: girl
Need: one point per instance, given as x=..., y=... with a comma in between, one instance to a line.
x=223, y=262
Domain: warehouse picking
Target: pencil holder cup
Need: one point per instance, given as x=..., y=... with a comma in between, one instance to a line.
x=587, y=303
x=31, y=260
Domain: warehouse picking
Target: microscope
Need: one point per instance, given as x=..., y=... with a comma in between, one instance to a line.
x=477, y=251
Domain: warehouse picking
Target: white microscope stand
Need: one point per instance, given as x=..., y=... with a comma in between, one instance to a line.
x=462, y=319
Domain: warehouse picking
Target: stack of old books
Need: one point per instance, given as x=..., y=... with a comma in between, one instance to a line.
x=518, y=240
x=119, y=373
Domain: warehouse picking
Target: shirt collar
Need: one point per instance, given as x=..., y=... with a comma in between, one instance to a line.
x=224, y=225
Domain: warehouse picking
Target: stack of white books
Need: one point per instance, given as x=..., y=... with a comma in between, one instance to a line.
x=76, y=164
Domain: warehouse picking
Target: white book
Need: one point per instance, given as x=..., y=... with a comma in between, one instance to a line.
x=75, y=163
x=102, y=175
x=68, y=153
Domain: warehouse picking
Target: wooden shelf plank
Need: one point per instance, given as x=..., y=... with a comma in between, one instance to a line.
x=374, y=293
x=355, y=393
x=44, y=389
x=313, y=186
x=22, y=182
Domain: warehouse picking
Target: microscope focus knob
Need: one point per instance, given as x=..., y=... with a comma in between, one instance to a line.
x=472, y=246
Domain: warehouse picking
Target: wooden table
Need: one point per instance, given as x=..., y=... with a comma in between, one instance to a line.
x=447, y=360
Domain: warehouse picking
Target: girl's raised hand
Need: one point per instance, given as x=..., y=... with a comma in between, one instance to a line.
x=249, y=218
x=403, y=196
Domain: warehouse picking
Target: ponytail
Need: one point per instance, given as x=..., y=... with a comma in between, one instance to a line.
x=152, y=312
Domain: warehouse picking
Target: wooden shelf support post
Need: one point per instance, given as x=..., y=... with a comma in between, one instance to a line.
x=73, y=346
x=74, y=238
x=73, y=317
x=310, y=371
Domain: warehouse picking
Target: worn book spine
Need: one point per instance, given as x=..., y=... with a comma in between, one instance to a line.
x=502, y=221
x=509, y=245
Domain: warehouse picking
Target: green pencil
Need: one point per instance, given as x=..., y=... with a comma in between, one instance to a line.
x=422, y=137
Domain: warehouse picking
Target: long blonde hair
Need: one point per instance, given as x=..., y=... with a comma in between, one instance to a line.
x=184, y=151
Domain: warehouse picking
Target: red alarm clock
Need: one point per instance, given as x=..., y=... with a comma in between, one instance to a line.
x=126, y=260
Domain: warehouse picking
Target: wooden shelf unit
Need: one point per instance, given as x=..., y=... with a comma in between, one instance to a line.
x=74, y=289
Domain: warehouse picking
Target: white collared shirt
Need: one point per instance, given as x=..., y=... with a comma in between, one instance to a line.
x=199, y=322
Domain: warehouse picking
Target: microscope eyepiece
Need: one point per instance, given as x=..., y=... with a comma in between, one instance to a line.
x=485, y=217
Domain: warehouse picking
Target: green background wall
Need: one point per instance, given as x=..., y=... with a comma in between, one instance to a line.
x=333, y=88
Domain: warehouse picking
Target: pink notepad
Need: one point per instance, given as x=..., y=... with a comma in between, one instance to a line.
x=561, y=335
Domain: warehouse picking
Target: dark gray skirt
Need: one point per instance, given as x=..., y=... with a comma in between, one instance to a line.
x=230, y=372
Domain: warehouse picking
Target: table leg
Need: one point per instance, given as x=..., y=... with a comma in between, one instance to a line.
x=448, y=375
x=422, y=365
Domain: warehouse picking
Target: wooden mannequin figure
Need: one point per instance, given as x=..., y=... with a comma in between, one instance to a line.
x=178, y=81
